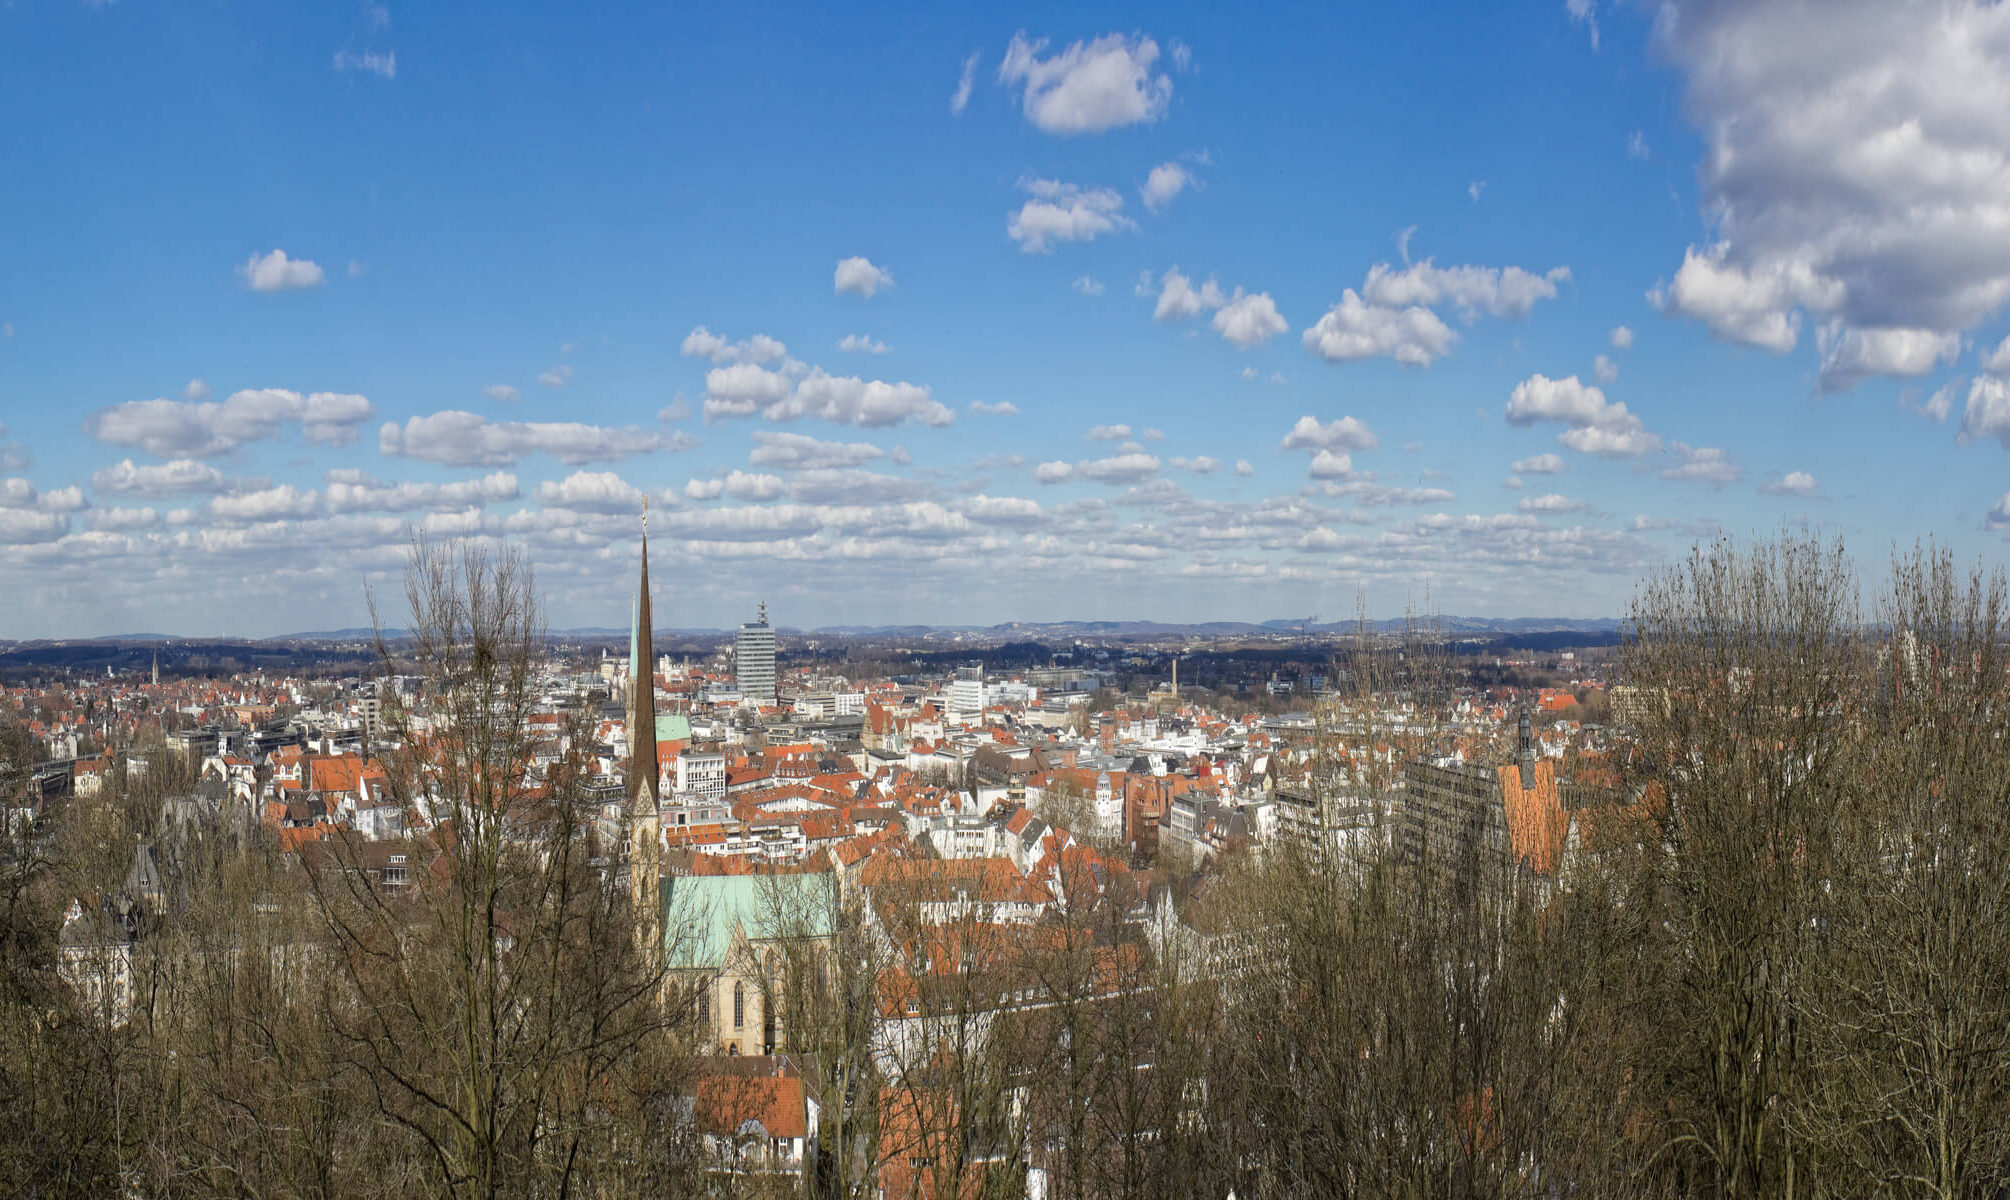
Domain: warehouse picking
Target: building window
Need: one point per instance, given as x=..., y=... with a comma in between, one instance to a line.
x=739, y=1005
x=768, y=1008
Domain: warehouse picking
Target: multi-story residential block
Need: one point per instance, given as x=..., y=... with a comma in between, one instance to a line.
x=966, y=695
x=701, y=773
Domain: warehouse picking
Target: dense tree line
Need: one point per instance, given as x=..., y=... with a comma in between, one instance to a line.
x=1772, y=959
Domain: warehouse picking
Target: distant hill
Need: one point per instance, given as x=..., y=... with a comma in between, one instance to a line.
x=1007, y=631
x=1276, y=627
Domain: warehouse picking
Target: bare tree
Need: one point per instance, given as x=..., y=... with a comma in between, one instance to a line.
x=1905, y=1002
x=1757, y=654
x=499, y=1004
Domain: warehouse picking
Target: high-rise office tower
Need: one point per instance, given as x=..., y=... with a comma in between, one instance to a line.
x=754, y=660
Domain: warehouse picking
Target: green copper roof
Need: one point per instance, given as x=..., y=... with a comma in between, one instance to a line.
x=673, y=727
x=700, y=913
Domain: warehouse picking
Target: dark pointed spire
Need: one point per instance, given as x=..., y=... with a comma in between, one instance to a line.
x=1525, y=757
x=642, y=765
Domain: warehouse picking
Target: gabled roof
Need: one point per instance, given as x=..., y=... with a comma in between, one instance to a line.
x=700, y=913
x=770, y=1104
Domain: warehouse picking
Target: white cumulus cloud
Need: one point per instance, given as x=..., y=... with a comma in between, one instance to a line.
x=1090, y=86
x=1249, y=320
x=1508, y=292
x=170, y=428
x=856, y=276
x=1064, y=212
x=463, y=439
x=1988, y=411
x=592, y=491
x=1180, y=299
x=157, y=481
x=1701, y=464
x=1597, y=426
x=1328, y=464
x=1849, y=356
x=1853, y=172
x=1540, y=398
x=274, y=272
x=27, y=526
x=742, y=389
x=796, y=451
x=269, y=504
x=346, y=490
x=751, y=485
x=1341, y=433
x=1793, y=483
x=1166, y=181
x=1354, y=329
x=703, y=343
x=1120, y=468
x=1244, y=319
x=849, y=400
x=1125, y=467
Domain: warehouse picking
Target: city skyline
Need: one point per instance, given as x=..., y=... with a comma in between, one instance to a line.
x=1142, y=313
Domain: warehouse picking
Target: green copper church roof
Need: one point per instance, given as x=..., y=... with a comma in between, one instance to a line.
x=700, y=913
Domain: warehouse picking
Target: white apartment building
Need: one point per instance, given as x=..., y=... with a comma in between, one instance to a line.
x=702, y=773
x=966, y=695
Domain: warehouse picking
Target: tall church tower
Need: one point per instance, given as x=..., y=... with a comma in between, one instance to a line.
x=644, y=844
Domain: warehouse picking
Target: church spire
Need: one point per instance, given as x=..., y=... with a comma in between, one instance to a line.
x=644, y=776
x=642, y=766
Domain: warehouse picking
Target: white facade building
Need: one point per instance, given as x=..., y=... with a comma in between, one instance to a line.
x=966, y=695
x=754, y=660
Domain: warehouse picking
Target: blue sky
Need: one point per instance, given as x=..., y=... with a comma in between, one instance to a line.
x=1181, y=313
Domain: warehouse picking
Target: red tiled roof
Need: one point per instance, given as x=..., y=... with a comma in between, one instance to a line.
x=726, y=1102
